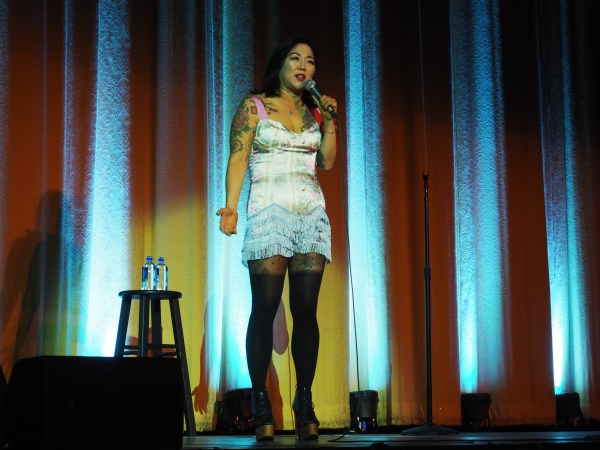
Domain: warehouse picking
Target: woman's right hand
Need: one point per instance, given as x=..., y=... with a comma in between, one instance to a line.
x=229, y=218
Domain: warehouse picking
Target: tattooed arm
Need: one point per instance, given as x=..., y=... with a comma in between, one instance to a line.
x=240, y=145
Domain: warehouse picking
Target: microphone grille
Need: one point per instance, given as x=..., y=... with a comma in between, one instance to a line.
x=309, y=84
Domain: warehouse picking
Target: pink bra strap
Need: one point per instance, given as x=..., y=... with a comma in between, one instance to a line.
x=260, y=108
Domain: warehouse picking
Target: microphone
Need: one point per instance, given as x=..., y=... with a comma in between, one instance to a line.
x=311, y=87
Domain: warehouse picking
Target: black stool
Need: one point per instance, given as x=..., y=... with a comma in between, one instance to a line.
x=150, y=300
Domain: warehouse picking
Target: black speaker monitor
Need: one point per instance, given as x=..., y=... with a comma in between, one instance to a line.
x=93, y=402
x=2, y=391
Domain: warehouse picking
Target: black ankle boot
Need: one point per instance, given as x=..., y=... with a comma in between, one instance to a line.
x=264, y=424
x=307, y=425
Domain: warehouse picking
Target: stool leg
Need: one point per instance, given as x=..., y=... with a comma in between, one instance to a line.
x=156, y=329
x=122, y=328
x=144, y=325
x=180, y=349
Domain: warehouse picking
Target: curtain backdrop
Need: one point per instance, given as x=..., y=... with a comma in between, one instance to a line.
x=114, y=123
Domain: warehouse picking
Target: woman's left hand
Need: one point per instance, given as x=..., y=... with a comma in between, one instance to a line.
x=324, y=105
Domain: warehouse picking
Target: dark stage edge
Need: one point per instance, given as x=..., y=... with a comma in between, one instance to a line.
x=507, y=440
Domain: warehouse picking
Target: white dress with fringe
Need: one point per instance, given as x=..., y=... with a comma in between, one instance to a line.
x=286, y=207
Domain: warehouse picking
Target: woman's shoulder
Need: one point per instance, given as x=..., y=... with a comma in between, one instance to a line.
x=251, y=102
x=248, y=100
x=255, y=104
x=247, y=108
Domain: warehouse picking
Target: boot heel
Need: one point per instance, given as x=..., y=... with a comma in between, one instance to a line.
x=308, y=432
x=307, y=425
x=265, y=433
x=264, y=424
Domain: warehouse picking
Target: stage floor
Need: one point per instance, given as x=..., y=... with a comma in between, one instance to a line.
x=506, y=439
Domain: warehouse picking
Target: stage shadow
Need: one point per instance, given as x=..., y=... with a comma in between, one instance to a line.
x=40, y=296
x=30, y=297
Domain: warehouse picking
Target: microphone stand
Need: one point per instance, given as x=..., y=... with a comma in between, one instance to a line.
x=428, y=428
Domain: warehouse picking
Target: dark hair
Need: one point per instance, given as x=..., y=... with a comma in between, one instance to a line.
x=271, y=83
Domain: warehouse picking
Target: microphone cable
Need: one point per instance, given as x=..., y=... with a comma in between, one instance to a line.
x=344, y=178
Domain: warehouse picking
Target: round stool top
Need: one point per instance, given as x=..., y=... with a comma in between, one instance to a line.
x=150, y=294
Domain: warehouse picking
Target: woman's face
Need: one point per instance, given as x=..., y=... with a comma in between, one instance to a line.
x=298, y=66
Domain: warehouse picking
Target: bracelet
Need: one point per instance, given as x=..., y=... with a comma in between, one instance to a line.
x=330, y=132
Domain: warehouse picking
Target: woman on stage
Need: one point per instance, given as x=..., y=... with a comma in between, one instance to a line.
x=281, y=134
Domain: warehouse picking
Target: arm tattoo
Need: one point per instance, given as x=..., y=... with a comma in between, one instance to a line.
x=240, y=139
x=320, y=159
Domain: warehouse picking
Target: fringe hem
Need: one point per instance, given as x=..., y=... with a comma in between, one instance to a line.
x=277, y=231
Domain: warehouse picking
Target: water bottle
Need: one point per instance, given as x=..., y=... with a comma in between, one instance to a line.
x=148, y=275
x=162, y=272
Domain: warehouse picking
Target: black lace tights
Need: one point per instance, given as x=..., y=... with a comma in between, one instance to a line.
x=305, y=272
